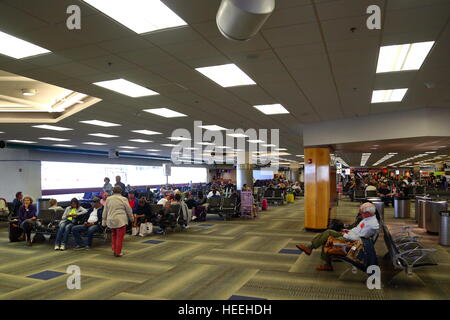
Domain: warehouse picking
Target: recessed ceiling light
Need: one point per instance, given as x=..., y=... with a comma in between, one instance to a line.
x=128, y=147
x=430, y=152
x=166, y=113
x=18, y=48
x=192, y=148
x=299, y=155
x=271, y=109
x=53, y=139
x=153, y=150
x=179, y=138
x=140, y=140
x=126, y=87
x=206, y=143
x=146, y=132
x=227, y=75
x=64, y=145
x=49, y=127
x=237, y=135
x=153, y=154
x=169, y=145
x=103, y=135
x=222, y=147
x=95, y=143
x=255, y=141
x=100, y=123
x=402, y=57
x=139, y=16
x=212, y=127
x=364, y=158
x=391, y=95
x=126, y=151
x=21, y=141
x=29, y=92
x=269, y=145
x=280, y=149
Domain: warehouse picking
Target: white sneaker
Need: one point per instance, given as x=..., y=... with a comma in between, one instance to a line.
x=56, y=247
x=141, y=235
x=62, y=247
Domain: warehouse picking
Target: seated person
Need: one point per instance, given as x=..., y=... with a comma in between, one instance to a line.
x=105, y=196
x=4, y=211
x=213, y=194
x=366, y=228
x=54, y=205
x=66, y=224
x=385, y=194
x=91, y=222
x=371, y=187
x=163, y=201
x=132, y=201
x=185, y=213
x=27, y=218
x=141, y=214
x=16, y=204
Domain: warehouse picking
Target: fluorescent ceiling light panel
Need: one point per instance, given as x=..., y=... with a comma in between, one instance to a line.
x=179, y=139
x=153, y=150
x=227, y=75
x=126, y=151
x=21, y=141
x=95, y=143
x=270, y=109
x=402, y=57
x=140, y=140
x=269, y=145
x=126, y=87
x=280, y=149
x=212, y=127
x=206, y=143
x=391, y=95
x=128, y=147
x=64, y=145
x=100, y=123
x=364, y=158
x=169, y=145
x=430, y=152
x=255, y=141
x=237, y=135
x=103, y=135
x=146, y=132
x=17, y=48
x=222, y=147
x=166, y=113
x=141, y=16
x=49, y=127
x=53, y=139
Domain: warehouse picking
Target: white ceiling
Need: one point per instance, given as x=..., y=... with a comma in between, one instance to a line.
x=305, y=58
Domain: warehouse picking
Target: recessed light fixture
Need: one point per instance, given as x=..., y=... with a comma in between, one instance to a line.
x=126, y=87
x=255, y=141
x=237, y=135
x=140, y=140
x=17, y=48
x=280, y=149
x=21, y=141
x=100, y=123
x=227, y=75
x=166, y=113
x=153, y=150
x=179, y=138
x=95, y=143
x=391, y=95
x=269, y=145
x=299, y=155
x=139, y=16
x=364, y=158
x=402, y=57
x=146, y=132
x=64, y=145
x=128, y=147
x=190, y=148
x=29, y=92
x=103, y=135
x=222, y=147
x=270, y=109
x=49, y=127
x=53, y=139
x=212, y=127
x=169, y=145
x=126, y=151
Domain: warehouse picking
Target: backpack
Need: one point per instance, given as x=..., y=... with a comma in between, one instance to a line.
x=15, y=232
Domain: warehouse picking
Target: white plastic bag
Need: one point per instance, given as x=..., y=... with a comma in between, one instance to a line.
x=146, y=229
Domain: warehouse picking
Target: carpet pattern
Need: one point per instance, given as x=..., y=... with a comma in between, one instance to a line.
x=238, y=259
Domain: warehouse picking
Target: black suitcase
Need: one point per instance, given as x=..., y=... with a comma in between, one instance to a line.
x=15, y=232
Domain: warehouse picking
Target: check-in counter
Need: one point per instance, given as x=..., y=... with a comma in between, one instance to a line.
x=433, y=211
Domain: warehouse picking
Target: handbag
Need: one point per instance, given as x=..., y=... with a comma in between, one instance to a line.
x=356, y=252
x=145, y=229
x=337, y=247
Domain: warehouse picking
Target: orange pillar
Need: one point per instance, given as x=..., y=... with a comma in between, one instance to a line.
x=319, y=188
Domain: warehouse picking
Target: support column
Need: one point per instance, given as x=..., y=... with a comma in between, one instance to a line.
x=319, y=188
x=294, y=170
x=244, y=170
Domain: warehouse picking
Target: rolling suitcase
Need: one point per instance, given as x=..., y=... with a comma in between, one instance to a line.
x=264, y=204
x=15, y=232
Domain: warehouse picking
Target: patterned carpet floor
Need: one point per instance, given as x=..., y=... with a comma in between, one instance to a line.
x=238, y=259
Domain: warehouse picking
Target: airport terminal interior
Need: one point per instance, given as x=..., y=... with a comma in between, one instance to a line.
x=224, y=150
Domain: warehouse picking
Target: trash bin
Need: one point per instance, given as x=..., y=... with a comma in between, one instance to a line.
x=444, y=232
x=379, y=204
x=418, y=207
x=423, y=203
x=432, y=215
x=402, y=207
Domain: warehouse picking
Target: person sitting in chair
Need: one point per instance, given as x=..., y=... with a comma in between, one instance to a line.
x=91, y=222
x=366, y=228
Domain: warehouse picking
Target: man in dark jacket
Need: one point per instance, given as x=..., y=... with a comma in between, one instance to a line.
x=91, y=222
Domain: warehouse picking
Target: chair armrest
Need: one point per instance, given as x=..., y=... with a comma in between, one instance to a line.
x=409, y=238
x=419, y=246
